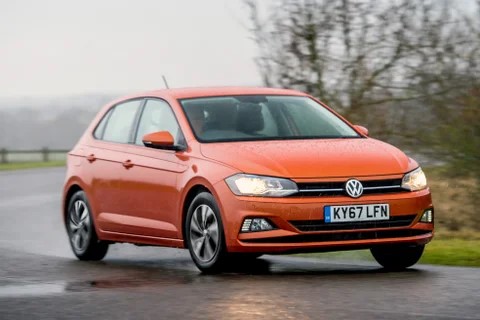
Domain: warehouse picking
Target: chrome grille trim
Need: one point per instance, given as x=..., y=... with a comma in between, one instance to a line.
x=319, y=190
x=337, y=188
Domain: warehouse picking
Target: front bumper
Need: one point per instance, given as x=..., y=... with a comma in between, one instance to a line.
x=282, y=212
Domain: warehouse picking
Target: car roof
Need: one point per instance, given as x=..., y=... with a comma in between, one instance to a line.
x=184, y=93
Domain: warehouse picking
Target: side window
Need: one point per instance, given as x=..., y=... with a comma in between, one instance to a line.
x=120, y=122
x=158, y=116
x=98, y=133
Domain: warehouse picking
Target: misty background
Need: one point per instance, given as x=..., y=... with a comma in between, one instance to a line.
x=54, y=123
x=61, y=61
x=406, y=69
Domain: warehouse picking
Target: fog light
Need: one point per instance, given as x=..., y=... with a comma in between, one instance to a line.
x=256, y=224
x=246, y=225
x=427, y=216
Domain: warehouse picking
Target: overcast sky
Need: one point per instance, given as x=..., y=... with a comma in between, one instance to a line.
x=58, y=47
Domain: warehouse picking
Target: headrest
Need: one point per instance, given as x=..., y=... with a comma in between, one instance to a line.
x=249, y=118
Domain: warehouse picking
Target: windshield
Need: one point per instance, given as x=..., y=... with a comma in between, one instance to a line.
x=246, y=118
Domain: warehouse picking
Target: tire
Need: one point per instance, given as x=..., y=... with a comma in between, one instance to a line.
x=81, y=230
x=204, y=234
x=397, y=257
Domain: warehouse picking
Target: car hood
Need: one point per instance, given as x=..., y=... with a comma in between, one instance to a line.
x=304, y=159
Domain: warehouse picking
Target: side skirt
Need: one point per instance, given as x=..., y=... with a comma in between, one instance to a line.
x=139, y=239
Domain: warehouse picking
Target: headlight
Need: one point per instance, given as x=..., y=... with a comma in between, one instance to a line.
x=414, y=180
x=250, y=185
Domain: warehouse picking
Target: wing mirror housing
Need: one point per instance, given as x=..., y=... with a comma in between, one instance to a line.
x=361, y=129
x=161, y=140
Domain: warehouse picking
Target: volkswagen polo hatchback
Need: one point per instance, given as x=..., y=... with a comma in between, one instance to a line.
x=239, y=172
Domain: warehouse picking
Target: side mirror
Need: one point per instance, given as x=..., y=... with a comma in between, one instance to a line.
x=361, y=129
x=160, y=140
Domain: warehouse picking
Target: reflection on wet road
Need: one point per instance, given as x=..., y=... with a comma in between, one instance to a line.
x=39, y=278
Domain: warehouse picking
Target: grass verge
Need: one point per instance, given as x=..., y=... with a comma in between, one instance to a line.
x=449, y=252
x=452, y=252
x=30, y=165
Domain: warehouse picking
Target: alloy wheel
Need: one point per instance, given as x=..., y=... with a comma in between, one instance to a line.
x=204, y=235
x=80, y=226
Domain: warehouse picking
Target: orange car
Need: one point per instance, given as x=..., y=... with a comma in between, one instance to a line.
x=238, y=172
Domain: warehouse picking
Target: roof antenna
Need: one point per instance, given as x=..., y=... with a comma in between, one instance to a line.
x=165, y=81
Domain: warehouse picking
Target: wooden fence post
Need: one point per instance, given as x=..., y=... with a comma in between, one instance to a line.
x=45, y=154
x=3, y=155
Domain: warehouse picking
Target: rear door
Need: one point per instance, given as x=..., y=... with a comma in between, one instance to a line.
x=151, y=200
x=105, y=159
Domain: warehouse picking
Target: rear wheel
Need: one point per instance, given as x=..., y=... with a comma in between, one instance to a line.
x=81, y=230
x=204, y=234
x=397, y=257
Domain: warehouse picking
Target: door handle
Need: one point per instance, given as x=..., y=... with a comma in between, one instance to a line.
x=127, y=164
x=91, y=158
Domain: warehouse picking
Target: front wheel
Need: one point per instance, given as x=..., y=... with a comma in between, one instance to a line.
x=81, y=230
x=204, y=234
x=397, y=257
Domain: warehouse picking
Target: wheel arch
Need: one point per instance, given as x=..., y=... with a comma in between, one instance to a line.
x=190, y=195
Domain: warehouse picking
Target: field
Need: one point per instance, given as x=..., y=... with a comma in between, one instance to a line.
x=30, y=165
x=457, y=221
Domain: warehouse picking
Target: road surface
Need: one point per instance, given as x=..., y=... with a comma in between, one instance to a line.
x=40, y=279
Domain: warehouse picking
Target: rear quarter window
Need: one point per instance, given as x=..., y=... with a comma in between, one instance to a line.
x=119, y=122
x=98, y=133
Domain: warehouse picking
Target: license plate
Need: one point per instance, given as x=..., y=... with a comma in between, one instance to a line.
x=367, y=212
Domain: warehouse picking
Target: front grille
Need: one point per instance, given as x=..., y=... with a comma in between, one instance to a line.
x=345, y=236
x=316, y=189
x=320, y=225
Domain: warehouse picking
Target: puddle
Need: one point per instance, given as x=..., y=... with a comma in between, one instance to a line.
x=109, y=284
x=25, y=289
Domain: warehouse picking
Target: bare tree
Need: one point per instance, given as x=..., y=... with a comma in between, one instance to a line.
x=408, y=68
x=355, y=54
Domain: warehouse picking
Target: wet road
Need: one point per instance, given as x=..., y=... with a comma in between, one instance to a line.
x=39, y=278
